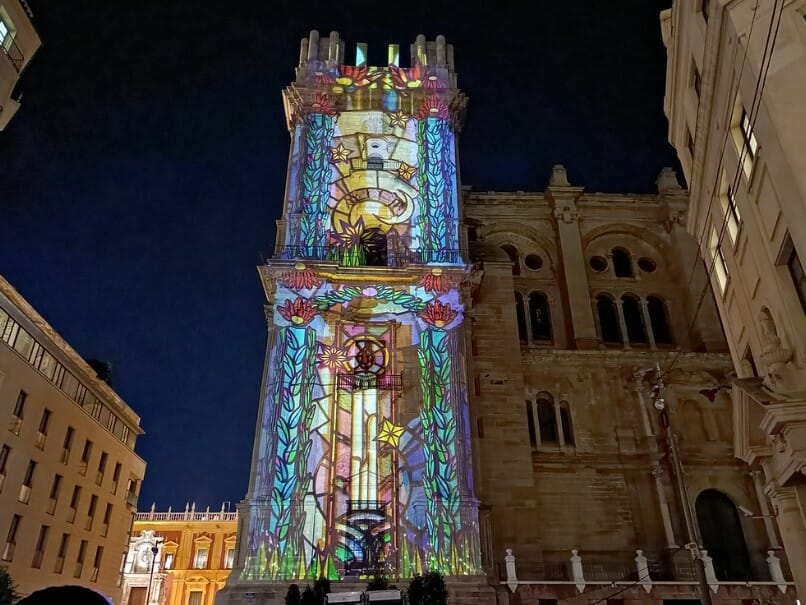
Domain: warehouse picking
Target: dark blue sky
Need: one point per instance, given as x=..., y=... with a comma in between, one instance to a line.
x=142, y=176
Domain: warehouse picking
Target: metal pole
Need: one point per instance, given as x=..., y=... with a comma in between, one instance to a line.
x=154, y=551
x=692, y=531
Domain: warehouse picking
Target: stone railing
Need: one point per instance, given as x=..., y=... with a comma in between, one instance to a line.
x=189, y=514
x=641, y=571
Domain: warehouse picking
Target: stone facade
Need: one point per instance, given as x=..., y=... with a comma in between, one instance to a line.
x=734, y=89
x=18, y=43
x=69, y=475
x=572, y=459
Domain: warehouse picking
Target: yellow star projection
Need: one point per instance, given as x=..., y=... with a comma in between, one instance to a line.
x=398, y=119
x=390, y=433
x=405, y=171
x=339, y=153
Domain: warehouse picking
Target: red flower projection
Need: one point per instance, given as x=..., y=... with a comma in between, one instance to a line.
x=299, y=312
x=323, y=104
x=300, y=278
x=411, y=77
x=433, y=107
x=321, y=77
x=435, y=281
x=438, y=314
x=358, y=76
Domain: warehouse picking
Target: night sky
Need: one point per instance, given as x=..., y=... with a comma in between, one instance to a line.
x=141, y=179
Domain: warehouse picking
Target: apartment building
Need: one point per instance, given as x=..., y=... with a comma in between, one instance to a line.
x=69, y=475
x=18, y=42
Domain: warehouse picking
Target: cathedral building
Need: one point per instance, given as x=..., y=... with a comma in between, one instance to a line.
x=735, y=89
x=521, y=391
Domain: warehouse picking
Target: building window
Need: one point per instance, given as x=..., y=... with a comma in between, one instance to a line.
x=91, y=511
x=82, y=552
x=539, y=317
x=520, y=315
x=608, y=320
x=4, y=452
x=195, y=597
x=85, y=456
x=659, y=320
x=75, y=498
x=7, y=29
x=798, y=277
x=116, y=477
x=56, y=487
x=622, y=262
x=11, y=538
x=44, y=421
x=229, y=558
x=169, y=560
x=61, y=553
x=565, y=423
x=722, y=535
x=5, y=32
x=19, y=406
x=533, y=262
x=99, y=476
x=720, y=267
x=547, y=420
x=96, y=562
x=634, y=320
x=200, y=560
x=530, y=423
x=748, y=136
x=68, y=444
x=514, y=258
x=39, y=551
x=730, y=212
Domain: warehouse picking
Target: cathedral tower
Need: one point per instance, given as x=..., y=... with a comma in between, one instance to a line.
x=361, y=462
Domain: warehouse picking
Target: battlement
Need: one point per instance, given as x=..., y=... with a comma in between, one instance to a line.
x=322, y=61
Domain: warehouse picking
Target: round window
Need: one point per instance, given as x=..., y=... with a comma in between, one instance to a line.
x=598, y=263
x=533, y=261
x=647, y=265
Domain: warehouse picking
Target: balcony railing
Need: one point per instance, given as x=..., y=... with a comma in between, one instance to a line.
x=363, y=382
x=14, y=55
x=399, y=257
x=186, y=516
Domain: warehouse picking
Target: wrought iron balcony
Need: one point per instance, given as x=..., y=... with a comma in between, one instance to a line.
x=14, y=55
x=363, y=382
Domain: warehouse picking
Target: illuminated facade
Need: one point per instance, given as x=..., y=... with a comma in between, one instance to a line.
x=18, y=43
x=734, y=95
x=361, y=460
x=195, y=554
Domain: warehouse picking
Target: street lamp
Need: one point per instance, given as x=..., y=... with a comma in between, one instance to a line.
x=154, y=551
x=692, y=533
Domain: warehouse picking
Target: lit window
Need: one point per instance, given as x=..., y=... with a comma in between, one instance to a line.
x=195, y=597
x=169, y=561
x=4, y=33
x=200, y=561
x=731, y=213
x=720, y=267
x=7, y=29
x=747, y=143
x=229, y=559
x=798, y=277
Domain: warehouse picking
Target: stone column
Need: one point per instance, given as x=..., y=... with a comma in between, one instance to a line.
x=625, y=337
x=793, y=533
x=564, y=200
x=764, y=509
x=648, y=323
x=663, y=503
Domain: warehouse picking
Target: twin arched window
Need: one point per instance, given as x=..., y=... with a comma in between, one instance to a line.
x=539, y=317
x=629, y=309
x=552, y=424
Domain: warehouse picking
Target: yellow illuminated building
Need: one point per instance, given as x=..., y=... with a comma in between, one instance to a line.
x=179, y=558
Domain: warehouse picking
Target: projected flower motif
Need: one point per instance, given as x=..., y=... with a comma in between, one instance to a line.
x=411, y=77
x=438, y=314
x=332, y=357
x=323, y=104
x=431, y=81
x=354, y=234
x=339, y=153
x=435, y=281
x=398, y=119
x=405, y=171
x=300, y=312
x=300, y=278
x=433, y=107
x=357, y=76
x=390, y=433
x=321, y=77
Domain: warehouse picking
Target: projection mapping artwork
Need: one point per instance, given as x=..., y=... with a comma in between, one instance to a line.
x=363, y=456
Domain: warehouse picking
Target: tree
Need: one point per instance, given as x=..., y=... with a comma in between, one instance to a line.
x=293, y=597
x=8, y=593
x=428, y=590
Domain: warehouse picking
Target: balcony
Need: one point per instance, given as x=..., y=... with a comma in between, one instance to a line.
x=99, y=478
x=77, y=570
x=8, y=551
x=14, y=55
x=366, y=381
x=37, y=562
x=104, y=530
x=15, y=425
x=25, y=494
x=71, y=515
x=65, y=457
x=371, y=257
x=82, y=469
x=58, y=565
x=2, y=481
x=39, y=440
x=94, y=575
x=51, y=506
x=131, y=500
x=88, y=523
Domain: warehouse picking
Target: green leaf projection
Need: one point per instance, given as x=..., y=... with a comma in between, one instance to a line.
x=362, y=464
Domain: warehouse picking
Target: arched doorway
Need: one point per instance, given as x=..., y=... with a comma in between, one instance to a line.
x=722, y=535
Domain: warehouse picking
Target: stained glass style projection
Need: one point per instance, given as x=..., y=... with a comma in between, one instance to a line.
x=363, y=450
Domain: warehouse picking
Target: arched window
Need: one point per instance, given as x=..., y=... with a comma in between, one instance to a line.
x=633, y=319
x=520, y=314
x=722, y=535
x=608, y=320
x=514, y=257
x=622, y=262
x=530, y=423
x=547, y=418
x=659, y=320
x=565, y=423
x=539, y=316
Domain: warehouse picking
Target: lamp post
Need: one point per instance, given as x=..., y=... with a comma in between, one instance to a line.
x=692, y=532
x=154, y=551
